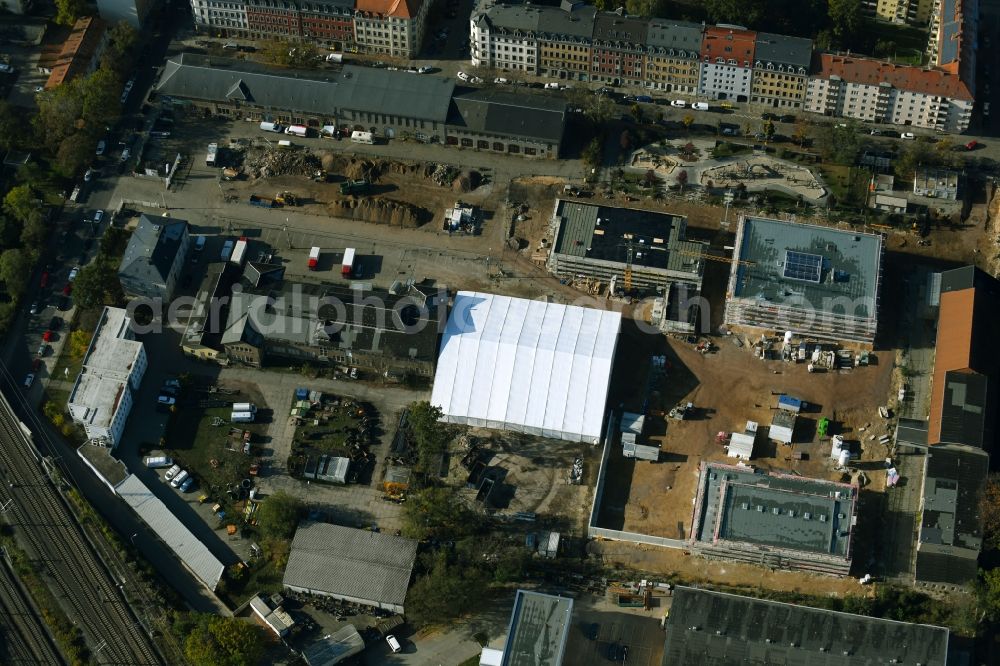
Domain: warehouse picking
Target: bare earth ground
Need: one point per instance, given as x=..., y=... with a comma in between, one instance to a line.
x=728, y=388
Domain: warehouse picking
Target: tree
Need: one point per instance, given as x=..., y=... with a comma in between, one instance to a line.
x=223, y=641
x=915, y=154
x=839, y=144
x=122, y=39
x=436, y=513
x=800, y=133
x=79, y=341
x=11, y=126
x=768, y=128
x=625, y=140
x=442, y=594
x=593, y=153
x=20, y=202
x=429, y=434
x=989, y=511
x=15, y=268
x=682, y=179
x=649, y=178
x=740, y=12
x=34, y=231
x=68, y=11
x=278, y=516
x=97, y=284
x=990, y=594
x=688, y=120
x=636, y=112
x=74, y=154
x=101, y=93
x=845, y=17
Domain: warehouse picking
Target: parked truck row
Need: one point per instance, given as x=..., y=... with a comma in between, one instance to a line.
x=346, y=266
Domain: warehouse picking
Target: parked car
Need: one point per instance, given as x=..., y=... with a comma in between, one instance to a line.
x=55, y=323
x=73, y=272
x=768, y=116
x=500, y=80
x=48, y=335
x=393, y=643
x=552, y=86
x=88, y=175
x=186, y=485
x=172, y=383
x=788, y=118
x=44, y=281
x=907, y=135
x=35, y=308
x=645, y=99
x=172, y=472
x=125, y=155
x=98, y=216
x=101, y=147
x=475, y=80
x=972, y=145
x=67, y=289
x=165, y=401
x=179, y=479
x=42, y=350
x=29, y=379
x=426, y=69
x=157, y=462
x=462, y=76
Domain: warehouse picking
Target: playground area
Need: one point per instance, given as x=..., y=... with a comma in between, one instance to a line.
x=757, y=172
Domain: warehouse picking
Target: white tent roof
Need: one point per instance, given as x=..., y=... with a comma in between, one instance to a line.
x=529, y=366
x=741, y=446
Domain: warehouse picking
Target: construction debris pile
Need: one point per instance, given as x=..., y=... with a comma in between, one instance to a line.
x=263, y=161
x=442, y=174
x=380, y=211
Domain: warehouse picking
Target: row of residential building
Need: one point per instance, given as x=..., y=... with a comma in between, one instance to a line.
x=390, y=27
x=723, y=62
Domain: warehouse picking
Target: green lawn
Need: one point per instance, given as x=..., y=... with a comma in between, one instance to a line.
x=902, y=44
x=208, y=450
x=846, y=183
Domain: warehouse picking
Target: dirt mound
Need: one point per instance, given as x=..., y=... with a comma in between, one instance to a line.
x=369, y=170
x=381, y=211
x=264, y=161
x=467, y=181
x=331, y=162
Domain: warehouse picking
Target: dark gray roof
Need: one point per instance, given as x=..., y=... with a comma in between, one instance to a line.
x=741, y=504
x=190, y=76
x=682, y=36
x=349, y=562
x=574, y=21
x=395, y=93
x=718, y=629
x=964, y=409
x=620, y=30
x=539, y=627
x=781, y=50
x=528, y=116
x=152, y=248
x=951, y=529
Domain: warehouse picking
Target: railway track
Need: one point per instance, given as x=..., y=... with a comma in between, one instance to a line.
x=23, y=637
x=79, y=580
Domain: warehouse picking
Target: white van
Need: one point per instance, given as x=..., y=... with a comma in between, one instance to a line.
x=700, y=106
x=199, y=243
x=180, y=478
x=552, y=86
x=393, y=643
x=362, y=137
x=272, y=127
x=158, y=461
x=245, y=407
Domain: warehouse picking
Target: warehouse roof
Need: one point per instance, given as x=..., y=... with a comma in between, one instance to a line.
x=603, y=233
x=190, y=76
x=152, y=249
x=808, y=265
x=537, y=117
x=951, y=532
x=770, y=509
x=714, y=628
x=198, y=558
x=530, y=366
x=539, y=627
x=349, y=562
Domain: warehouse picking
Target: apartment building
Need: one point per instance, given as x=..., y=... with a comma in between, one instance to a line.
x=879, y=92
x=913, y=12
x=952, y=39
x=672, y=55
x=81, y=52
x=506, y=37
x=221, y=17
x=566, y=51
x=619, y=49
x=329, y=22
x=727, y=56
x=780, y=70
x=391, y=27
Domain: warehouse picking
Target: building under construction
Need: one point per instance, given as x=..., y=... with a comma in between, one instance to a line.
x=776, y=520
x=816, y=281
x=628, y=251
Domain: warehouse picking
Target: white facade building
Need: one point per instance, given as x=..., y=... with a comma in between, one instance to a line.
x=724, y=80
x=112, y=370
x=220, y=15
x=505, y=37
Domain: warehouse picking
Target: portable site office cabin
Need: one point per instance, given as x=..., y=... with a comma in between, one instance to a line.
x=297, y=130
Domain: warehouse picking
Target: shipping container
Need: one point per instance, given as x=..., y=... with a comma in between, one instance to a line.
x=313, y=258
x=239, y=252
x=347, y=269
x=227, y=249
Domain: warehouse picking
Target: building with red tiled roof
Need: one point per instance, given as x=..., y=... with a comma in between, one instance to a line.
x=81, y=52
x=880, y=92
x=727, y=62
x=393, y=27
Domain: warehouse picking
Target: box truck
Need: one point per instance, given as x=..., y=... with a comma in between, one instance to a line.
x=313, y=258
x=362, y=137
x=297, y=130
x=213, y=151
x=245, y=407
x=239, y=252
x=347, y=269
x=272, y=127
x=241, y=417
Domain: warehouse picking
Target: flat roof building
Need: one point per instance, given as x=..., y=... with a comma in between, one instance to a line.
x=360, y=566
x=538, y=630
x=816, y=281
x=707, y=628
x=112, y=370
x=777, y=520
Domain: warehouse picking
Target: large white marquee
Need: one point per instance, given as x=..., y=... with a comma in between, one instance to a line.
x=528, y=366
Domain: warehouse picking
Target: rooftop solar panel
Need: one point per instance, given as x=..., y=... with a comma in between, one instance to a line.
x=803, y=266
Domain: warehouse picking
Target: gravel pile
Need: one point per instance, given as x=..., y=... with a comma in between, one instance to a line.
x=265, y=162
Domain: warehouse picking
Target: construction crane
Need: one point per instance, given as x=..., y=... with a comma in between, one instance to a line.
x=629, y=253
x=713, y=257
